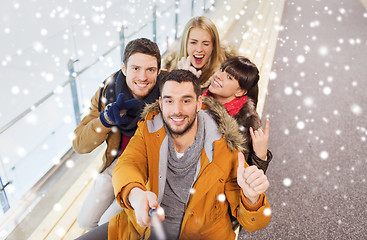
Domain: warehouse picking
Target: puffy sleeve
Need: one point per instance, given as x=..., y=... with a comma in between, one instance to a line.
x=90, y=133
x=131, y=168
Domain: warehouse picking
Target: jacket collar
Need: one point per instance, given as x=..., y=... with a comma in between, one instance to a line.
x=227, y=126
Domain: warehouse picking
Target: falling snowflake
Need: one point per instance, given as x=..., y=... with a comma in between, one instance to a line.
x=288, y=90
x=300, y=59
x=267, y=211
x=324, y=155
x=192, y=190
x=314, y=24
x=70, y=163
x=287, y=182
x=10, y=188
x=113, y=152
x=221, y=197
x=44, y=32
x=56, y=161
x=32, y=119
x=67, y=119
x=38, y=47
x=308, y=101
x=323, y=51
x=356, y=109
x=300, y=125
x=15, y=90
x=273, y=75
x=57, y=207
x=60, y=231
x=326, y=90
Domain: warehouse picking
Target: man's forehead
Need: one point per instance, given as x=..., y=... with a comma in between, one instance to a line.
x=141, y=59
x=175, y=89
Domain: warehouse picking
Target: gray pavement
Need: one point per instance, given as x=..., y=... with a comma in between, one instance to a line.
x=317, y=107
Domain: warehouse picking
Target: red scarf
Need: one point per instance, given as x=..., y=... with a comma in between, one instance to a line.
x=234, y=106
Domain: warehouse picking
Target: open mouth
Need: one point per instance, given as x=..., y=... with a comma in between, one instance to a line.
x=198, y=59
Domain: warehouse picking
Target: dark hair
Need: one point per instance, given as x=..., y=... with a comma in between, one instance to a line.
x=142, y=45
x=180, y=75
x=243, y=70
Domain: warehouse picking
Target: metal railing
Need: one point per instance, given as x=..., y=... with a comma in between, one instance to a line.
x=73, y=75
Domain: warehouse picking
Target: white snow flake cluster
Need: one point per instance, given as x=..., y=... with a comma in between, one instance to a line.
x=287, y=182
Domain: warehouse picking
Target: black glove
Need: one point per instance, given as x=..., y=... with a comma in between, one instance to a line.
x=115, y=113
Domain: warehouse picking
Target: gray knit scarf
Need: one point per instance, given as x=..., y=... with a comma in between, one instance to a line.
x=180, y=178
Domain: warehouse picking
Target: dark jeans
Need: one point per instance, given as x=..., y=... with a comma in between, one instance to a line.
x=98, y=233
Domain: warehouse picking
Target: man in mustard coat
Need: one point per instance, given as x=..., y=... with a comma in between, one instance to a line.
x=186, y=163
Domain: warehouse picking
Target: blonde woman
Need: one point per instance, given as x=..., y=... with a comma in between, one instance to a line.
x=200, y=52
x=201, y=45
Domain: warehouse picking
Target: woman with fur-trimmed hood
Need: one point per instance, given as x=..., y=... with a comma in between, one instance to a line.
x=229, y=86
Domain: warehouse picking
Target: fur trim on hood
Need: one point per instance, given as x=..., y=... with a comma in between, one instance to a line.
x=227, y=126
x=247, y=117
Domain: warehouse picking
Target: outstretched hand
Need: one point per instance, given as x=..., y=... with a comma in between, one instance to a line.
x=260, y=139
x=186, y=65
x=142, y=202
x=252, y=180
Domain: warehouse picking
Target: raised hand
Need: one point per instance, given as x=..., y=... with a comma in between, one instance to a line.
x=252, y=180
x=186, y=65
x=115, y=113
x=142, y=202
x=260, y=139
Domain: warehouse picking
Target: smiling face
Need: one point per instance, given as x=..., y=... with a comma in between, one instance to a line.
x=199, y=47
x=225, y=87
x=141, y=74
x=179, y=106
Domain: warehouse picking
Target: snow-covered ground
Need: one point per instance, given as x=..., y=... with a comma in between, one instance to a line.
x=38, y=38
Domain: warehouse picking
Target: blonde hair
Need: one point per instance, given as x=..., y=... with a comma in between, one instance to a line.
x=218, y=54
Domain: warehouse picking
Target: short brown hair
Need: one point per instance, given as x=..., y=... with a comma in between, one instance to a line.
x=180, y=75
x=142, y=45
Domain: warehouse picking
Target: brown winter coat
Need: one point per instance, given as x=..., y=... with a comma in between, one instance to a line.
x=90, y=133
